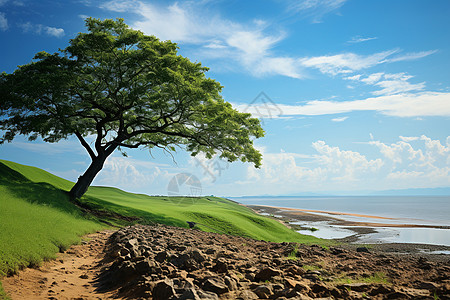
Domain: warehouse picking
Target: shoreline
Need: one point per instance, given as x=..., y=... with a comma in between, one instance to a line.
x=342, y=222
x=360, y=230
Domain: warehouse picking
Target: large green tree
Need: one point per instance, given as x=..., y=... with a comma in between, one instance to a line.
x=128, y=90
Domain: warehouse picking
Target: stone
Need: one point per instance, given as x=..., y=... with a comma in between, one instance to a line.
x=267, y=274
x=207, y=295
x=357, y=287
x=362, y=249
x=246, y=295
x=263, y=291
x=426, y=285
x=396, y=295
x=231, y=283
x=216, y=285
x=198, y=256
x=161, y=256
x=189, y=293
x=320, y=289
x=163, y=290
x=220, y=266
x=294, y=270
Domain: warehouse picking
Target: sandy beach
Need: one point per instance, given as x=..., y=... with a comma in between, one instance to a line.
x=368, y=225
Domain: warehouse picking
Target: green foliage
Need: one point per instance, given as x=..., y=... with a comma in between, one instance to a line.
x=129, y=90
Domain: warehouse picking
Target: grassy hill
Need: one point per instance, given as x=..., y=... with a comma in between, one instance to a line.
x=37, y=219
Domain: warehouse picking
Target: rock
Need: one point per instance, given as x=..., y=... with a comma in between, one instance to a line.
x=263, y=291
x=189, y=293
x=267, y=274
x=207, y=295
x=145, y=267
x=380, y=289
x=320, y=290
x=231, y=283
x=161, y=256
x=426, y=285
x=220, y=266
x=396, y=295
x=362, y=249
x=357, y=287
x=297, y=285
x=246, y=295
x=294, y=270
x=198, y=256
x=216, y=285
x=163, y=290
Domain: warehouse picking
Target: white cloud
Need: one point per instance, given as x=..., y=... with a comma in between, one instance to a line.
x=346, y=62
x=360, y=39
x=390, y=83
x=136, y=175
x=3, y=22
x=192, y=23
x=394, y=166
x=40, y=29
x=315, y=9
x=349, y=62
x=53, y=31
x=412, y=56
x=409, y=138
x=372, y=78
x=390, y=87
x=399, y=105
x=341, y=119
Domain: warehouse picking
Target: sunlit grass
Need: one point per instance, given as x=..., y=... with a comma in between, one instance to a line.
x=37, y=219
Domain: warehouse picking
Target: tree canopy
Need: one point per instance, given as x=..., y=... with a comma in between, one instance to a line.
x=128, y=90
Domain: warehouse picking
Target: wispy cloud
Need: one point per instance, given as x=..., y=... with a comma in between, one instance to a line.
x=341, y=119
x=345, y=63
x=400, y=105
x=360, y=39
x=390, y=83
x=3, y=22
x=315, y=9
x=42, y=29
x=412, y=56
x=217, y=37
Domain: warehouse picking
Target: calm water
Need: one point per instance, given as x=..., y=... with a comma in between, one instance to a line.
x=425, y=210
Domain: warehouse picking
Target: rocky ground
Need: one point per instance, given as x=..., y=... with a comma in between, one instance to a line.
x=160, y=262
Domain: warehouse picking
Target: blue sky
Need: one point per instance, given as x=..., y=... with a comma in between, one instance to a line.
x=354, y=96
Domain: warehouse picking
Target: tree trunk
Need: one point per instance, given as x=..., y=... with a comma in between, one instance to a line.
x=85, y=180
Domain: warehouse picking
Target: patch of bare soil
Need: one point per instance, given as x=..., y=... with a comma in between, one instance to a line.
x=71, y=276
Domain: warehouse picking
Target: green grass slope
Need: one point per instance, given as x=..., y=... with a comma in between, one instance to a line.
x=37, y=219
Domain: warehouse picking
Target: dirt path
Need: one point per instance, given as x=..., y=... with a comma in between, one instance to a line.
x=70, y=276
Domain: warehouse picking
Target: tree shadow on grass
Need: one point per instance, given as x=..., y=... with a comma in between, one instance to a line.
x=35, y=192
x=88, y=206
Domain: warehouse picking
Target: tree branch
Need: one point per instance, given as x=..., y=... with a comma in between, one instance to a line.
x=85, y=145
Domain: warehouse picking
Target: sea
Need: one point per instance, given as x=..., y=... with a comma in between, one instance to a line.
x=418, y=210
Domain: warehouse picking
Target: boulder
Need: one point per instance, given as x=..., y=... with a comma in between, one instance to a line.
x=267, y=274
x=163, y=290
x=215, y=285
